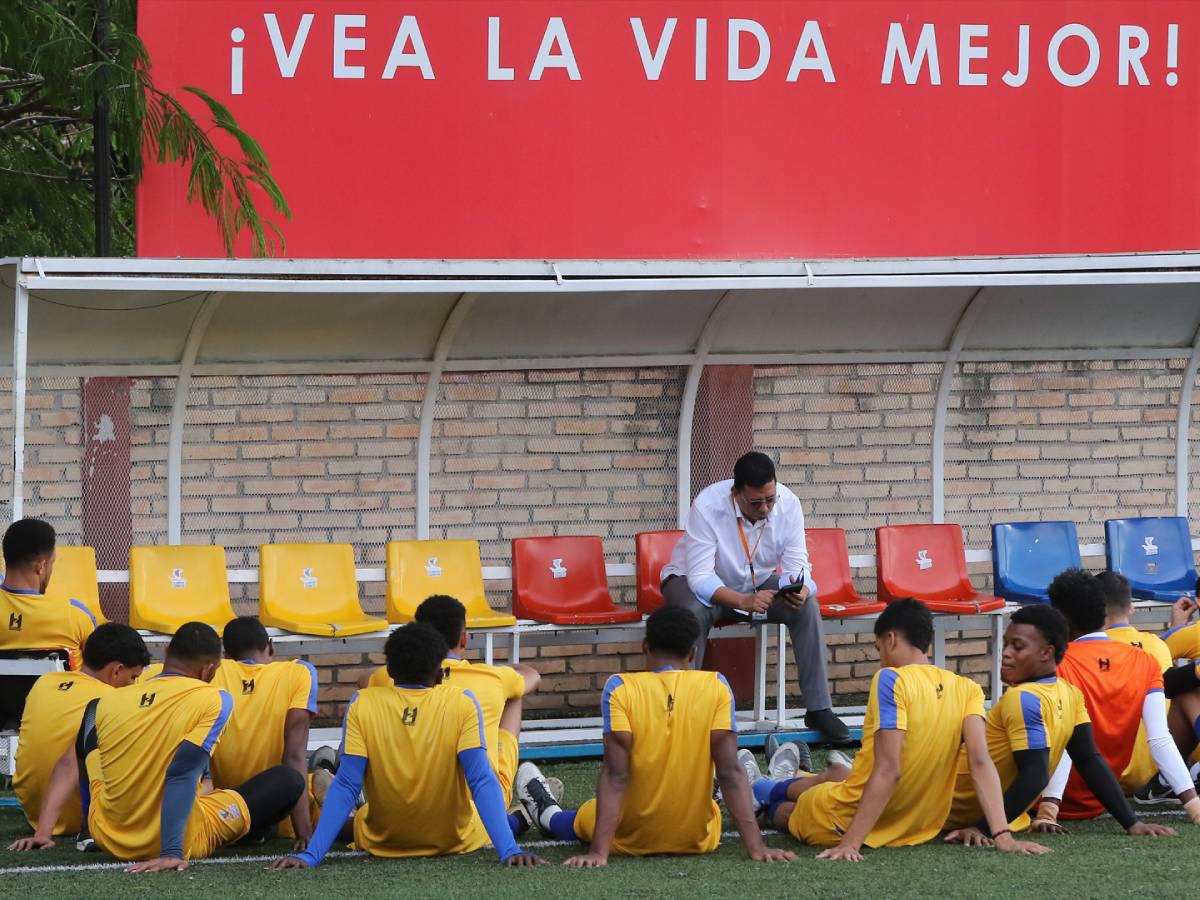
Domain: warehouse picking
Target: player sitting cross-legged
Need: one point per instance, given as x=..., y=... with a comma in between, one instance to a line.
x=418, y=751
x=1123, y=688
x=664, y=731
x=113, y=657
x=1039, y=716
x=901, y=785
x=143, y=750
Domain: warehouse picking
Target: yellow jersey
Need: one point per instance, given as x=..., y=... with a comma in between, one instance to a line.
x=53, y=712
x=32, y=621
x=928, y=704
x=138, y=730
x=1183, y=641
x=1035, y=715
x=418, y=801
x=1142, y=766
x=668, y=805
x=263, y=694
x=493, y=686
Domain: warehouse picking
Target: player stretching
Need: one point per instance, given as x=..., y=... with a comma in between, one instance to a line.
x=664, y=731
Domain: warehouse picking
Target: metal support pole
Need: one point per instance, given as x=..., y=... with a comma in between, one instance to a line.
x=937, y=474
x=462, y=306
x=687, y=412
x=1183, y=425
x=19, y=389
x=183, y=383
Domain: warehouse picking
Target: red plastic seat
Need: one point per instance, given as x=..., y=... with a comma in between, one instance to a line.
x=562, y=580
x=654, y=549
x=830, y=560
x=928, y=562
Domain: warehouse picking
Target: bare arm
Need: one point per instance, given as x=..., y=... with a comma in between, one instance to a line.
x=531, y=676
x=736, y=791
x=881, y=784
x=64, y=780
x=610, y=795
x=295, y=756
x=988, y=791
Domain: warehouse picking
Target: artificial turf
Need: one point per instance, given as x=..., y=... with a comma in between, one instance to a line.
x=1095, y=860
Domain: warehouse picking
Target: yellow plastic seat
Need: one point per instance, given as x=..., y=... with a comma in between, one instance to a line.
x=420, y=569
x=74, y=578
x=169, y=586
x=312, y=589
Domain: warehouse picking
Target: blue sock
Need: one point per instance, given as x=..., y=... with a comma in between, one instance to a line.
x=763, y=789
x=562, y=826
x=779, y=792
x=517, y=824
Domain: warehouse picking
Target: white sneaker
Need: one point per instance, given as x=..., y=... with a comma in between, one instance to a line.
x=838, y=758
x=785, y=763
x=749, y=766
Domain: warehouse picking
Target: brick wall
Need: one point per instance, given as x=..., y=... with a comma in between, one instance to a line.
x=567, y=452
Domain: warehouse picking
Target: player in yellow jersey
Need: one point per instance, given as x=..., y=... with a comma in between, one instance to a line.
x=28, y=619
x=1039, y=717
x=901, y=785
x=113, y=657
x=499, y=689
x=144, y=748
x=417, y=750
x=273, y=705
x=665, y=730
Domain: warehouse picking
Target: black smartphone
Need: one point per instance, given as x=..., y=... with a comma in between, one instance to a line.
x=793, y=588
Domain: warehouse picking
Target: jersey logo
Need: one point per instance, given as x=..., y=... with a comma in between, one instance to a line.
x=1104, y=664
x=940, y=690
x=1137, y=644
x=307, y=579
x=557, y=569
x=176, y=578
x=432, y=569
x=14, y=621
x=147, y=700
x=247, y=686
x=670, y=702
x=409, y=716
x=230, y=812
x=66, y=685
x=923, y=561
x=1149, y=547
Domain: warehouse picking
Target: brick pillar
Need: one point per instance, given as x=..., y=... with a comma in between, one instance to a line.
x=107, y=517
x=722, y=430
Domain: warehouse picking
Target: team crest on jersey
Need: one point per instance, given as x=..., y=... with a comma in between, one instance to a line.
x=670, y=702
x=1149, y=547
x=230, y=813
x=65, y=685
x=147, y=700
x=557, y=569
x=409, y=716
x=247, y=686
x=432, y=569
x=15, y=621
x=1104, y=664
x=308, y=580
x=177, y=580
x=941, y=688
x=923, y=561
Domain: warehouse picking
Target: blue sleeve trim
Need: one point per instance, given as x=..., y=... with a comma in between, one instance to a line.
x=478, y=718
x=886, y=692
x=489, y=801
x=1035, y=726
x=345, y=719
x=312, y=690
x=611, y=685
x=706, y=587
x=1154, y=691
x=732, y=704
x=338, y=807
x=86, y=611
x=218, y=726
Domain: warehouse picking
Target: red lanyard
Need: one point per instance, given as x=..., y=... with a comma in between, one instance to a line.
x=746, y=545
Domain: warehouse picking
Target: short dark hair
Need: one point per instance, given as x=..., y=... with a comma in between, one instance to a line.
x=414, y=653
x=672, y=631
x=243, y=636
x=446, y=615
x=1050, y=624
x=194, y=642
x=114, y=642
x=1118, y=596
x=1078, y=596
x=911, y=618
x=26, y=541
x=754, y=469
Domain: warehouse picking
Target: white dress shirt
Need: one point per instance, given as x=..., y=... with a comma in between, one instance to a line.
x=711, y=554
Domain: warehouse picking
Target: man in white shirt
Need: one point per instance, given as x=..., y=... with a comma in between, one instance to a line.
x=745, y=538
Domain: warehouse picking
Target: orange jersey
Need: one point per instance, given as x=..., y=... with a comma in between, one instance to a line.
x=1115, y=679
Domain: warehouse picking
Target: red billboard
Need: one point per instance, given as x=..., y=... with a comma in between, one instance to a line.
x=708, y=129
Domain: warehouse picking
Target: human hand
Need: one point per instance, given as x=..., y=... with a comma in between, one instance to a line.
x=587, y=861
x=1182, y=611
x=758, y=602
x=161, y=864
x=1047, y=826
x=1006, y=843
x=517, y=860
x=289, y=862
x=767, y=854
x=795, y=599
x=32, y=843
x=1145, y=829
x=968, y=837
x=300, y=845
x=842, y=851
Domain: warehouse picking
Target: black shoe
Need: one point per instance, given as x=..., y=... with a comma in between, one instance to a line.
x=1154, y=792
x=829, y=726
x=85, y=844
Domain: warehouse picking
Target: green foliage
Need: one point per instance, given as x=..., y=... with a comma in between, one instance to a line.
x=51, y=71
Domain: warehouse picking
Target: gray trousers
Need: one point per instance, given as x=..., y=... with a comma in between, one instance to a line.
x=803, y=625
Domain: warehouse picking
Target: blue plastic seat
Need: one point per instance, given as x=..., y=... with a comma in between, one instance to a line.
x=1155, y=554
x=1026, y=556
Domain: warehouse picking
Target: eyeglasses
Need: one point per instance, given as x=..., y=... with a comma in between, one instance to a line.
x=759, y=501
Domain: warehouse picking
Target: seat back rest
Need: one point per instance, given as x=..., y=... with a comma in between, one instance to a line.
x=923, y=561
x=74, y=578
x=830, y=558
x=177, y=584
x=1026, y=556
x=654, y=549
x=559, y=575
x=1153, y=552
x=420, y=569
x=309, y=581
